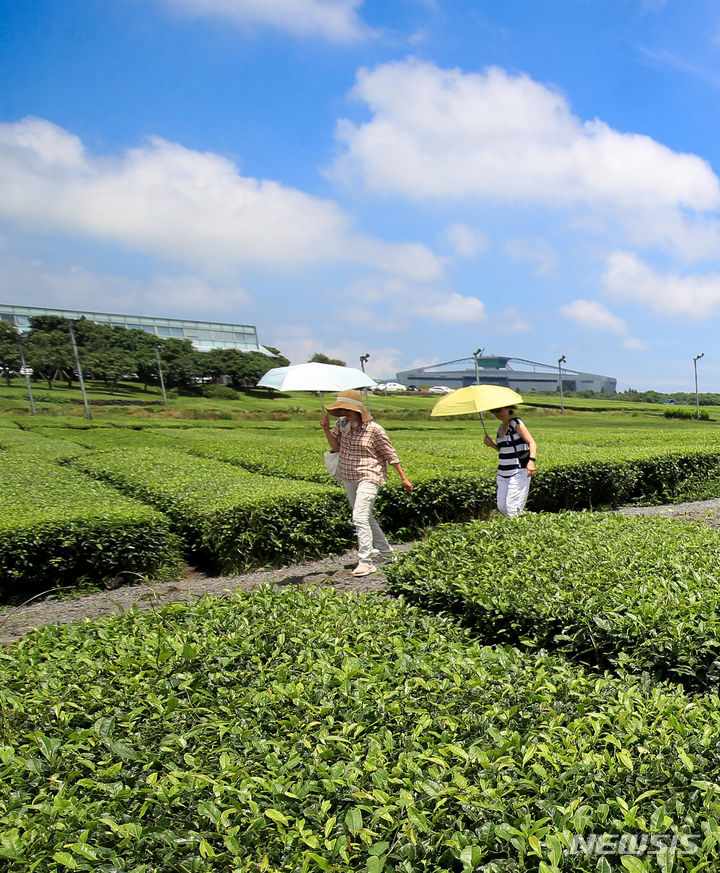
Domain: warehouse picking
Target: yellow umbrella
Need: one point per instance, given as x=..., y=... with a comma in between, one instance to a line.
x=476, y=398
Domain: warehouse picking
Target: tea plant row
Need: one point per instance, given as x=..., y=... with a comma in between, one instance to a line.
x=627, y=593
x=247, y=496
x=300, y=731
x=59, y=528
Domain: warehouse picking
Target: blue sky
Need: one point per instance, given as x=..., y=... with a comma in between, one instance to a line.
x=413, y=179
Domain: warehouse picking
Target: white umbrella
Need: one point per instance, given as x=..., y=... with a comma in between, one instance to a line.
x=315, y=377
x=318, y=378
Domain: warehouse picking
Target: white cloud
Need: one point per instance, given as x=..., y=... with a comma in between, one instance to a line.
x=375, y=289
x=692, y=296
x=334, y=20
x=36, y=283
x=634, y=344
x=444, y=133
x=300, y=342
x=593, y=315
x=181, y=205
x=589, y=313
x=538, y=253
x=466, y=241
x=509, y=321
x=451, y=308
x=387, y=305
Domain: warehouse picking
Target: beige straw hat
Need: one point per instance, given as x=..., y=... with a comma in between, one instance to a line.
x=349, y=401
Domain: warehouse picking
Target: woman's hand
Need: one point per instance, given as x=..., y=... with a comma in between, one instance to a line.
x=489, y=442
x=530, y=469
x=407, y=485
x=324, y=423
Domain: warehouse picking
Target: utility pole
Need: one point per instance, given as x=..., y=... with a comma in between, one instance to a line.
x=23, y=370
x=160, y=373
x=561, y=361
x=79, y=370
x=697, y=398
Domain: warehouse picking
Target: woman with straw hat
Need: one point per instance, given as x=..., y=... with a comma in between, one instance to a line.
x=365, y=452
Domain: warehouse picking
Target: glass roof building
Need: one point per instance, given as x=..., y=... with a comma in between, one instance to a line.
x=516, y=373
x=204, y=335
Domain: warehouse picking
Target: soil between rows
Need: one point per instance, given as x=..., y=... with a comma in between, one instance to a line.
x=334, y=571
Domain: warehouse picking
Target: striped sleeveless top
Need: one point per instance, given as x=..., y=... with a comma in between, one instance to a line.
x=514, y=451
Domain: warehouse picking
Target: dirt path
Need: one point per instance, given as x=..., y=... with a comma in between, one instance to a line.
x=333, y=571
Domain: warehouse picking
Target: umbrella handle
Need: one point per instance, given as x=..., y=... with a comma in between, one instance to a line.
x=482, y=421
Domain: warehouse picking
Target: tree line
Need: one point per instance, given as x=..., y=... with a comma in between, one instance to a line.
x=112, y=354
x=634, y=396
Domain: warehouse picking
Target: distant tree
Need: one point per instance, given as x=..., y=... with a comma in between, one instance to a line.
x=281, y=360
x=104, y=351
x=182, y=364
x=320, y=358
x=9, y=353
x=244, y=369
x=49, y=323
x=48, y=349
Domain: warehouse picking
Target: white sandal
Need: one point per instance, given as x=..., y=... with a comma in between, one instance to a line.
x=364, y=569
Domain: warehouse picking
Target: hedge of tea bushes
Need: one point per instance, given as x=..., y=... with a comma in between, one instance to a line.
x=294, y=730
x=229, y=519
x=35, y=445
x=656, y=479
x=626, y=592
x=104, y=437
x=272, y=453
x=435, y=499
x=442, y=495
x=60, y=528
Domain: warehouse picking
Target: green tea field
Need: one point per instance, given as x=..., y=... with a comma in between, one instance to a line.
x=536, y=695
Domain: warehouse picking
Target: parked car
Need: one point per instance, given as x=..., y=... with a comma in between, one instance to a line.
x=389, y=387
x=413, y=388
x=440, y=389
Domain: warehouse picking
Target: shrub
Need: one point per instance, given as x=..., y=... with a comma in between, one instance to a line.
x=682, y=412
x=219, y=392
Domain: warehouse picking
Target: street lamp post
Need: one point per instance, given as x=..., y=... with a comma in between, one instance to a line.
x=477, y=354
x=561, y=361
x=363, y=359
x=697, y=399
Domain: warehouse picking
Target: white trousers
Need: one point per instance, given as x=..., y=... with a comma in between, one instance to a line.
x=512, y=492
x=361, y=496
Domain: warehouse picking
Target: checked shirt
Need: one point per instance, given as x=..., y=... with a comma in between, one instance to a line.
x=365, y=452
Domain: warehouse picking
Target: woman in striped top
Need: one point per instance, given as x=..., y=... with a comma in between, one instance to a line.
x=516, y=461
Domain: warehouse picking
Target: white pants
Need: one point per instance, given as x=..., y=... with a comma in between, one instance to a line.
x=361, y=496
x=512, y=492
